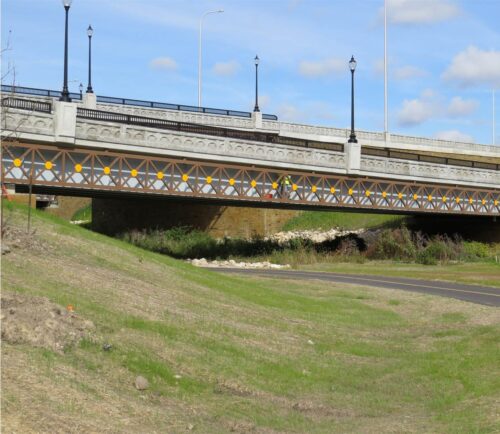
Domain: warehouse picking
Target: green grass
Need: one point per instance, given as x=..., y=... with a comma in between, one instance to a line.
x=227, y=353
x=83, y=214
x=344, y=220
x=479, y=273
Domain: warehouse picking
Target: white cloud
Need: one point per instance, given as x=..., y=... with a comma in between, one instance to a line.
x=473, y=67
x=290, y=113
x=420, y=11
x=264, y=101
x=323, y=67
x=419, y=110
x=461, y=107
x=454, y=136
x=378, y=66
x=408, y=72
x=225, y=69
x=166, y=63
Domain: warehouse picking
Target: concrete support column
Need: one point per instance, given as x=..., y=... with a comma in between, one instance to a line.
x=353, y=157
x=64, y=122
x=90, y=101
x=257, y=120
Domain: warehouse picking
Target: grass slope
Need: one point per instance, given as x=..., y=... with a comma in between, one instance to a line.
x=254, y=355
x=477, y=273
x=337, y=219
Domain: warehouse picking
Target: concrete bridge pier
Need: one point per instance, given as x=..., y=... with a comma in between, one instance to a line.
x=114, y=216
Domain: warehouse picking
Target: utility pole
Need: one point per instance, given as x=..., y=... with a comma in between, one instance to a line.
x=493, y=141
x=386, y=122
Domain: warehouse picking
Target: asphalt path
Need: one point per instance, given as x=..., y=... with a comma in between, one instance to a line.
x=486, y=295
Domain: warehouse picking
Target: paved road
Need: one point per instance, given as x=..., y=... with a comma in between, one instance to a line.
x=486, y=295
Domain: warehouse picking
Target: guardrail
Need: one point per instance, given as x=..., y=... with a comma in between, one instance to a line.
x=99, y=115
x=25, y=104
x=135, y=102
x=401, y=155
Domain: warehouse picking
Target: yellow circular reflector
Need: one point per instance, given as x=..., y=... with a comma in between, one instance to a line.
x=275, y=185
x=294, y=187
x=314, y=188
x=160, y=175
x=17, y=162
x=332, y=190
x=48, y=165
x=107, y=170
x=400, y=195
x=133, y=173
x=253, y=183
x=429, y=198
x=78, y=168
x=209, y=179
x=351, y=192
x=470, y=200
x=384, y=194
x=231, y=181
x=415, y=196
x=457, y=200
x=444, y=198
x=367, y=193
x=483, y=201
x=185, y=177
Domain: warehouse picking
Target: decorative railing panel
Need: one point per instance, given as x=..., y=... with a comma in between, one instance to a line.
x=52, y=167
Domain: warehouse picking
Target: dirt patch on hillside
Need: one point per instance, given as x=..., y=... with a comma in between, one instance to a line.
x=39, y=322
x=15, y=238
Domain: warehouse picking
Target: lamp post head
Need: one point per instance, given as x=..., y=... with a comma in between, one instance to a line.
x=67, y=3
x=257, y=60
x=90, y=31
x=352, y=64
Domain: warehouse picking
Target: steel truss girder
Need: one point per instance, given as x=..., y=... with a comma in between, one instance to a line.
x=45, y=165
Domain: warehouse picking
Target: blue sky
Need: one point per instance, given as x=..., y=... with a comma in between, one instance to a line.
x=443, y=55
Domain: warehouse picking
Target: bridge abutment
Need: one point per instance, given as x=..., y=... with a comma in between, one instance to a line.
x=114, y=216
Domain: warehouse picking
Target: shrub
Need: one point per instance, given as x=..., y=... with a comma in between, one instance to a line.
x=474, y=250
x=440, y=249
x=393, y=244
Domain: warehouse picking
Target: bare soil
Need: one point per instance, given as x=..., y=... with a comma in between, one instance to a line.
x=41, y=323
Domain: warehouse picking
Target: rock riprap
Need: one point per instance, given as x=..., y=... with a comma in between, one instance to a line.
x=231, y=263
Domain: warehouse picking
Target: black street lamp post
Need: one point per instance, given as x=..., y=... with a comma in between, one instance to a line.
x=90, y=32
x=352, y=67
x=256, y=108
x=81, y=90
x=65, y=91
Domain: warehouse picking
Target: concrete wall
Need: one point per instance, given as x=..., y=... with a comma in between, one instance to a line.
x=112, y=216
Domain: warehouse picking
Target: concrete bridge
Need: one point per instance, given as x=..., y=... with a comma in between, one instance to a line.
x=104, y=145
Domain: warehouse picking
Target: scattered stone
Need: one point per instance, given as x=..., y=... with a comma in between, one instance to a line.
x=177, y=376
x=141, y=383
x=107, y=347
x=190, y=427
x=5, y=249
x=310, y=342
x=316, y=236
x=233, y=264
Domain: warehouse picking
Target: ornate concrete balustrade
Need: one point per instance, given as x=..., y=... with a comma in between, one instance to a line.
x=49, y=128
x=307, y=132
